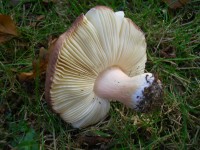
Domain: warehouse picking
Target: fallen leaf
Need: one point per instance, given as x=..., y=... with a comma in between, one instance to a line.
x=7, y=28
x=51, y=41
x=37, y=21
x=43, y=60
x=174, y=4
x=2, y=109
x=40, y=17
x=33, y=24
x=14, y=2
x=39, y=66
x=48, y=1
x=168, y=52
x=92, y=140
x=26, y=76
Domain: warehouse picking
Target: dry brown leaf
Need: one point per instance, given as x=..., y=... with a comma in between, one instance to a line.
x=39, y=66
x=168, y=52
x=37, y=21
x=48, y=1
x=51, y=41
x=24, y=76
x=174, y=4
x=51, y=44
x=92, y=140
x=40, y=17
x=7, y=28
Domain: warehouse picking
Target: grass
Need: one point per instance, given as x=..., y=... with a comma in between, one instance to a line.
x=26, y=121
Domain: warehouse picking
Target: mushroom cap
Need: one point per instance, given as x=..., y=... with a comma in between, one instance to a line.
x=96, y=41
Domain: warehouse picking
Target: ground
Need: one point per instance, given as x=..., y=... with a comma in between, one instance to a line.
x=172, y=35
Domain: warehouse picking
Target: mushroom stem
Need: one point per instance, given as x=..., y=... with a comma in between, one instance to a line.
x=138, y=92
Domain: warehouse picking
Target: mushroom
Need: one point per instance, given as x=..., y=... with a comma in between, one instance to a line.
x=101, y=58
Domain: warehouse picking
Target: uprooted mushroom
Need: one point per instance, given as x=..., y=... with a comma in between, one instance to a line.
x=100, y=59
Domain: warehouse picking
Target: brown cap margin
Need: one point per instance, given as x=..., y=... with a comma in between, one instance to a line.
x=137, y=27
x=55, y=50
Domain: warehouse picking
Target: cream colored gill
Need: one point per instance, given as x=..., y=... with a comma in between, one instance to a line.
x=108, y=25
x=92, y=111
x=80, y=109
x=82, y=51
x=119, y=15
x=67, y=90
x=98, y=112
x=67, y=93
x=138, y=68
x=77, y=67
x=122, y=41
x=132, y=48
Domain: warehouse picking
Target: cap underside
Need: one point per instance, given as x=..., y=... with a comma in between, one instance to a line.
x=96, y=41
